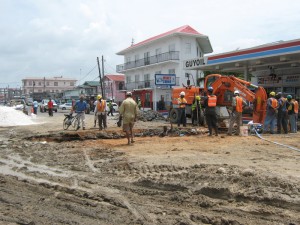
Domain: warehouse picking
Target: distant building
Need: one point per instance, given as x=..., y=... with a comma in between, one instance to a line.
x=164, y=55
x=41, y=87
x=114, y=86
x=7, y=94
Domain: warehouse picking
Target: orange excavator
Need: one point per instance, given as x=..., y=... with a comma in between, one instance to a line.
x=223, y=86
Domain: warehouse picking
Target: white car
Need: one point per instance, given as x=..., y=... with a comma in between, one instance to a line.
x=115, y=106
x=65, y=106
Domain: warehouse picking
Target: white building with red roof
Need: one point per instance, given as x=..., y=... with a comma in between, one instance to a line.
x=153, y=66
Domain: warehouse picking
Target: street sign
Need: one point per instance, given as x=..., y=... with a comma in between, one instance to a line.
x=165, y=79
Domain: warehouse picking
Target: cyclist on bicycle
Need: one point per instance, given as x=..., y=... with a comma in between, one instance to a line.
x=80, y=107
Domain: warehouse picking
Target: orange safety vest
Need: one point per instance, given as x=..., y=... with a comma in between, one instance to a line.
x=101, y=106
x=274, y=103
x=212, y=101
x=296, y=107
x=239, y=104
x=181, y=100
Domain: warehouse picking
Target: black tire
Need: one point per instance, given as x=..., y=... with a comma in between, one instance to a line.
x=174, y=116
x=76, y=124
x=65, y=124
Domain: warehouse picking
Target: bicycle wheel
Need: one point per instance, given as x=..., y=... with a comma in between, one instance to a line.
x=76, y=123
x=66, y=124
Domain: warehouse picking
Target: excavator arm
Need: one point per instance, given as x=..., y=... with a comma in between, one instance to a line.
x=222, y=85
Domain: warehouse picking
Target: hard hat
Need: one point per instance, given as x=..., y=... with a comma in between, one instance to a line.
x=182, y=93
x=210, y=89
x=99, y=97
x=236, y=92
x=197, y=97
x=272, y=93
x=128, y=93
x=289, y=97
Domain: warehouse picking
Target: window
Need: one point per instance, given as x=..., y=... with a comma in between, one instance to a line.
x=188, y=48
x=172, y=48
x=71, y=83
x=128, y=79
x=137, y=78
x=147, y=80
x=30, y=83
x=127, y=59
x=40, y=83
x=136, y=58
x=171, y=71
x=158, y=72
x=147, y=58
x=121, y=85
x=40, y=90
x=147, y=100
x=157, y=51
x=55, y=83
x=48, y=83
x=24, y=83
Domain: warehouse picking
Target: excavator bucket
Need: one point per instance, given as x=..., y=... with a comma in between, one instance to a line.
x=260, y=105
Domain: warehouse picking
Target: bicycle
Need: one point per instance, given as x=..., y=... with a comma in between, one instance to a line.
x=72, y=121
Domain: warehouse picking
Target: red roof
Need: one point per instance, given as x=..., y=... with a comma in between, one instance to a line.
x=115, y=77
x=184, y=29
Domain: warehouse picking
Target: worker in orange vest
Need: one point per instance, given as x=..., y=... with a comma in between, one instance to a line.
x=272, y=110
x=101, y=112
x=210, y=103
x=236, y=115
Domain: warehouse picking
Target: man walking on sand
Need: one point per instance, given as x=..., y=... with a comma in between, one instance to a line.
x=128, y=110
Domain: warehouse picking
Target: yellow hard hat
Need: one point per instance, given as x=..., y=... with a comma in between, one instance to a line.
x=99, y=97
x=272, y=93
x=197, y=97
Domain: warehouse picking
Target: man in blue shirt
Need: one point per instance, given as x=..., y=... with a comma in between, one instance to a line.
x=80, y=107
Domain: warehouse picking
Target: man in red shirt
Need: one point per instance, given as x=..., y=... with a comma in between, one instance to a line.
x=50, y=107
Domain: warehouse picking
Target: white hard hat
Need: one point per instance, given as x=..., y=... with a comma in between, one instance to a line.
x=128, y=93
x=182, y=93
x=236, y=92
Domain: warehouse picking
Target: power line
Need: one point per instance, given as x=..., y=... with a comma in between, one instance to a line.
x=88, y=73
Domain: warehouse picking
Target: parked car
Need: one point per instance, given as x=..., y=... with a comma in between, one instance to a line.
x=65, y=106
x=44, y=105
x=115, y=106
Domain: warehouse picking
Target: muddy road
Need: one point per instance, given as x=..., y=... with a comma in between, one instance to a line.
x=52, y=176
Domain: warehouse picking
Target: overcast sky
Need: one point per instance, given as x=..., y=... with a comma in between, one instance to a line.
x=64, y=37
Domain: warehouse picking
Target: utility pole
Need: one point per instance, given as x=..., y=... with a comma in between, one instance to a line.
x=103, y=76
x=100, y=77
x=112, y=92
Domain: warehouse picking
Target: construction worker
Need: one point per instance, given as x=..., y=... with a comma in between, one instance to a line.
x=139, y=103
x=181, y=110
x=101, y=113
x=95, y=110
x=272, y=107
x=128, y=112
x=292, y=107
x=210, y=103
x=196, y=110
x=282, y=116
x=236, y=114
x=110, y=107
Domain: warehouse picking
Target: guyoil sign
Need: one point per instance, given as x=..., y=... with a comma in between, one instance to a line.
x=193, y=63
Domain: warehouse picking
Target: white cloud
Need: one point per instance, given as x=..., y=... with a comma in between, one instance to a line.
x=46, y=38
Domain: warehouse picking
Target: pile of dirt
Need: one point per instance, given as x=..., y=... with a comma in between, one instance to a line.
x=150, y=115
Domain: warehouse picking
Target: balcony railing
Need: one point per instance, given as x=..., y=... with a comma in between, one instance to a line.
x=145, y=84
x=148, y=61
